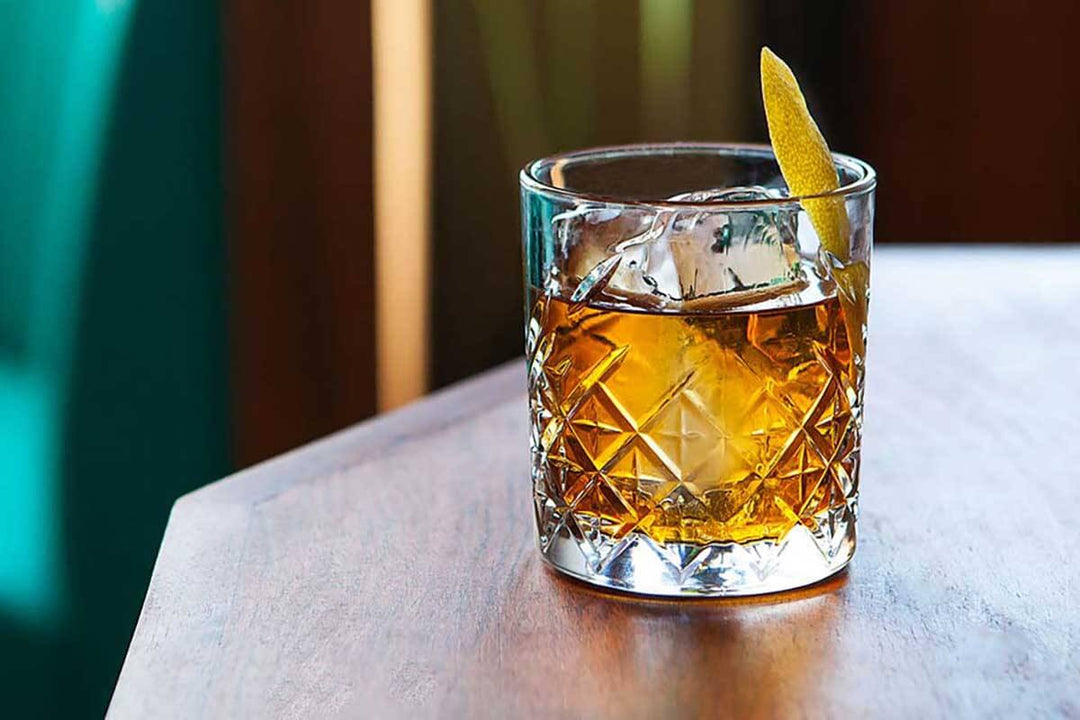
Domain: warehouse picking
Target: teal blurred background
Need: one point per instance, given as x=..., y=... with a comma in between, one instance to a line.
x=186, y=233
x=112, y=327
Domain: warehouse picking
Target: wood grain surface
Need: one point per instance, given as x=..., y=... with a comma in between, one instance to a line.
x=390, y=571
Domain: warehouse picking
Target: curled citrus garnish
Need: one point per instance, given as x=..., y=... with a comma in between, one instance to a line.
x=808, y=168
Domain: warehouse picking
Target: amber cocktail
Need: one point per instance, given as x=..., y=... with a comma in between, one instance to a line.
x=696, y=363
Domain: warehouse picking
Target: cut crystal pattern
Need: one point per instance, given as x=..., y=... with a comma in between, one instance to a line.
x=713, y=453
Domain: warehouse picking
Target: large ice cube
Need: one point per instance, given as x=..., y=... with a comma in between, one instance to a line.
x=681, y=255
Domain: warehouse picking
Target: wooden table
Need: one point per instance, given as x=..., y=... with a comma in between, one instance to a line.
x=390, y=570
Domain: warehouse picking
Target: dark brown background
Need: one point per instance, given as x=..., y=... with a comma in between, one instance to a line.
x=300, y=222
x=964, y=108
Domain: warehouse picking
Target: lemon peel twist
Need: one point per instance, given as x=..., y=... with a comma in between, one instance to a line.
x=808, y=169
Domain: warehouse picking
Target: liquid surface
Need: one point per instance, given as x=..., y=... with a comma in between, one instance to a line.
x=727, y=426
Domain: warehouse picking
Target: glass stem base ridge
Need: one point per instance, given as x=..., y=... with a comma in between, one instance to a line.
x=639, y=564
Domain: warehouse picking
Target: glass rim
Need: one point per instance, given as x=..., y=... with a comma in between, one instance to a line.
x=865, y=181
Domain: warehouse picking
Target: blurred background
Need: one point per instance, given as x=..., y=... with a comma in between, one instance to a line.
x=228, y=228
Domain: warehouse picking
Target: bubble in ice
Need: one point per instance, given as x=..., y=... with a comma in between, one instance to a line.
x=681, y=255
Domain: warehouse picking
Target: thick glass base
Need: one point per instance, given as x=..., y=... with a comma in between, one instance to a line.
x=638, y=564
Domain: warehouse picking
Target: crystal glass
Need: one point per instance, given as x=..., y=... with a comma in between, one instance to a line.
x=696, y=359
